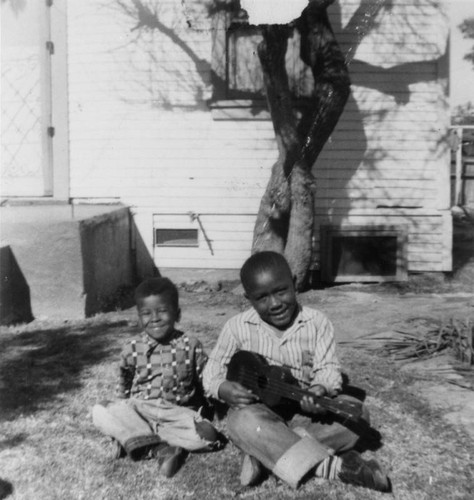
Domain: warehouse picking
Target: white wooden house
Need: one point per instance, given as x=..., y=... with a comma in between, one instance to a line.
x=166, y=117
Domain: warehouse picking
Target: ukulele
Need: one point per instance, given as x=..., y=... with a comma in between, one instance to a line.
x=275, y=385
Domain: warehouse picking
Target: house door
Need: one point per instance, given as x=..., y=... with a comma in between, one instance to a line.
x=26, y=159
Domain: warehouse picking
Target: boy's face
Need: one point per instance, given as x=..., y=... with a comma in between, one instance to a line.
x=157, y=316
x=272, y=294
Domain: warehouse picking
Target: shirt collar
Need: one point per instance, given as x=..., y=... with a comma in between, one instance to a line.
x=152, y=343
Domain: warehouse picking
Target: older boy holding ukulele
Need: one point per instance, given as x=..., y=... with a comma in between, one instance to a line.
x=307, y=441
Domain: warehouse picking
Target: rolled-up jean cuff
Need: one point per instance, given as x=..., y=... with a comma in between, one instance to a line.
x=303, y=433
x=298, y=460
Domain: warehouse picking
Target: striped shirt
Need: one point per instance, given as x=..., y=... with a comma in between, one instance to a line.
x=173, y=371
x=308, y=348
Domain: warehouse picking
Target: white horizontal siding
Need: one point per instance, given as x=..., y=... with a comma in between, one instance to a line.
x=140, y=129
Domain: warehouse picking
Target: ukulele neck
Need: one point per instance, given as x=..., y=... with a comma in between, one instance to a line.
x=295, y=393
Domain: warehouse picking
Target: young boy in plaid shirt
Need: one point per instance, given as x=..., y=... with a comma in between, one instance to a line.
x=159, y=386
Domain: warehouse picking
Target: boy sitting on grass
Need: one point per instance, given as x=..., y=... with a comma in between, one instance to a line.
x=292, y=445
x=159, y=384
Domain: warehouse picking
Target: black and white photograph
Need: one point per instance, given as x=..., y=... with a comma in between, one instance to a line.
x=237, y=249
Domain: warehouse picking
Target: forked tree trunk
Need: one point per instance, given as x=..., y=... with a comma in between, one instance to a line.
x=285, y=219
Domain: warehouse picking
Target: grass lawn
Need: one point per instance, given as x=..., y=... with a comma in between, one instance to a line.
x=51, y=375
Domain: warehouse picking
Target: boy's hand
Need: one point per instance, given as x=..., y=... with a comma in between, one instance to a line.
x=308, y=404
x=235, y=394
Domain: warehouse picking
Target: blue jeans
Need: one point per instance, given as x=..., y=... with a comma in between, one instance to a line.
x=288, y=448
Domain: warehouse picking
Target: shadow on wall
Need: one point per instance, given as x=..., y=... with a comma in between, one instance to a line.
x=160, y=24
x=144, y=265
x=393, y=85
x=115, y=259
x=15, y=303
x=463, y=246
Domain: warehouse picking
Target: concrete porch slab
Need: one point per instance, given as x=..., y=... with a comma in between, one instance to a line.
x=73, y=257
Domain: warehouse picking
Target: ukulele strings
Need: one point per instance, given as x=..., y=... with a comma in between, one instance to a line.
x=275, y=387
x=290, y=368
x=272, y=386
x=252, y=379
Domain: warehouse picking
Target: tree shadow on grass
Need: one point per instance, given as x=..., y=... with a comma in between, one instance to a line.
x=37, y=366
x=12, y=441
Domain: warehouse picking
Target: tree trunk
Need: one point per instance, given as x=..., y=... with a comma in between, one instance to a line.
x=285, y=219
x=271, y=228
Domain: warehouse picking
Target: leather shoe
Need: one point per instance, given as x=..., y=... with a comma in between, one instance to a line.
x=359, y=472
x=170, y=459
x=117, y=450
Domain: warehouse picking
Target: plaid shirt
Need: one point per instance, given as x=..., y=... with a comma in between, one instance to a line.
x=150, y=370
x=308, y=348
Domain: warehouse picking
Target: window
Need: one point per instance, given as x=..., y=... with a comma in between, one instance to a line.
x=236, y=67
x=176, y=237
x=363, y=253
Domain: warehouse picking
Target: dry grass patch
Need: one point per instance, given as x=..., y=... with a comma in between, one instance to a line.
x=49, y=449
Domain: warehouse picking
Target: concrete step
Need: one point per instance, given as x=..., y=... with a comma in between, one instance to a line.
x=74, y=258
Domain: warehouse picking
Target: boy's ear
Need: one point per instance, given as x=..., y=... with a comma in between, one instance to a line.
x=178, y=315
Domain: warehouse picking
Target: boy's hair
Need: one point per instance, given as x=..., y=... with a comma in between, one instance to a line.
x=158, y=286
x=259, y=262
